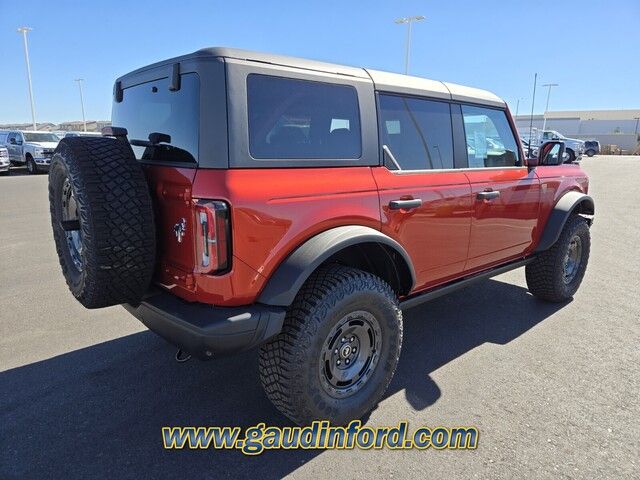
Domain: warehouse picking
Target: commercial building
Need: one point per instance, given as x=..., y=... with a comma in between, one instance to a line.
x=609, y=127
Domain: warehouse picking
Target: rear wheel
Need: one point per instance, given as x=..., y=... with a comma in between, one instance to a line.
x=338, y=349
x=572, y=156
x=590, y=153
x=556, y=274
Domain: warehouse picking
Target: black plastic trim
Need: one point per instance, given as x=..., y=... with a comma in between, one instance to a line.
x=559, y=216
x=287, y=280
x=429, y=295
x=174, y=86
x=117, y=91
x=206, y=330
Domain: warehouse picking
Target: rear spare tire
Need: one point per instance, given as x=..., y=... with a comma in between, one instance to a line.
x=102, y=220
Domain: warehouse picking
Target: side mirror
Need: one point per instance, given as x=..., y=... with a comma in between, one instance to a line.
x=555, y=137
x=551, y=153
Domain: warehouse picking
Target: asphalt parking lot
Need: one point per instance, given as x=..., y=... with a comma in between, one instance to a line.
x=553, y=389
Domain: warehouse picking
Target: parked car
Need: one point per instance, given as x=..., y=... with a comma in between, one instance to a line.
x=573, y=147
x=592, y=147
x=5, y=164
x=81, y=134
x=529, y=152
x=33, y=149
x=244, y=199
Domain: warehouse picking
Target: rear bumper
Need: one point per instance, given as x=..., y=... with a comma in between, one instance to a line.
x=205, y=330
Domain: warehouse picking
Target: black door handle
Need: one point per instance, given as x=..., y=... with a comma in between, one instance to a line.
x=405, y=204
x=487, y=195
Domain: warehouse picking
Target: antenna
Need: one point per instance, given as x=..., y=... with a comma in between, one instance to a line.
x=533, y=101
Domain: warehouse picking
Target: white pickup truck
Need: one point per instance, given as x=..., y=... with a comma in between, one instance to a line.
x=4, y=160
x=33, y=149
x=574, y=148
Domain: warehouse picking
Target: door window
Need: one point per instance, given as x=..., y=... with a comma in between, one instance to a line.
x=417, y=132
x=490, y=140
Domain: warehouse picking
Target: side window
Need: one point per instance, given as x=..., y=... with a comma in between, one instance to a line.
x=490, y=141
x=302, y=119
x=417, y=132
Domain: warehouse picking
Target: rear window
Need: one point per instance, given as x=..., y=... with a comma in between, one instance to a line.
x=152, y=108
x=301, y=119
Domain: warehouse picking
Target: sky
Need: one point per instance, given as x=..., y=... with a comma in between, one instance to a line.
x=590, y=48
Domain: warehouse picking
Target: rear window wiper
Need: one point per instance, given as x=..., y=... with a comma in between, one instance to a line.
x=155, y=138
x=157, y=148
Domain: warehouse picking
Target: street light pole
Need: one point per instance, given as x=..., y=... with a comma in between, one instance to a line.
x=408, y=21
x=84, y=121
x=24, y=31
x=544, y=116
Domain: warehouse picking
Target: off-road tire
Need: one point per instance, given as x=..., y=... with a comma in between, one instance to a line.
x=32, y=168
x=289, y=363
x=115, y=214
x=545, y=275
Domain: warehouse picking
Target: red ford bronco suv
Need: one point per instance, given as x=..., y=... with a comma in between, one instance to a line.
x=243, y=199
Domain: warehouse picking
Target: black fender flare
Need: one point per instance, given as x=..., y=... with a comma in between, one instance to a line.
x=289, y=276
x=568, y=204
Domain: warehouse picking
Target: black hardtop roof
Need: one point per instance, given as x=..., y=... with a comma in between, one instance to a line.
x=384, y=80
x=225, y=52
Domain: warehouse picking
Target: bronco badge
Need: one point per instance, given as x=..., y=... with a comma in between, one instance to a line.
x=180, y=229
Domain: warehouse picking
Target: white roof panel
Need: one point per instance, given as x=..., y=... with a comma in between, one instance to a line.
x=475, y=95
x=395, y=82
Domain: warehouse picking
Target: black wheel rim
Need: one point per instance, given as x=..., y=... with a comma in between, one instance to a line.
x=71, y=224
x=572, y=259
x=350, y=354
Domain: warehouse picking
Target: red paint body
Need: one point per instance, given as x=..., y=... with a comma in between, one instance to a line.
x=273, y=211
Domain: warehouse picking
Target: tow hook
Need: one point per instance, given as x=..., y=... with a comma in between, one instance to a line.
x=181, y=356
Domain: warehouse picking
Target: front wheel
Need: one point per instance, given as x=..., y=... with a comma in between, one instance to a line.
x=338, y=348
x=31, y=166
x=556, y=274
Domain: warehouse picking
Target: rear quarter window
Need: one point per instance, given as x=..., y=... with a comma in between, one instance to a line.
x=301, y=119
x=152, y=108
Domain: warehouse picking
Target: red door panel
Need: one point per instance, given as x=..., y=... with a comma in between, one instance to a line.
x=436, y=234
x=505, y=216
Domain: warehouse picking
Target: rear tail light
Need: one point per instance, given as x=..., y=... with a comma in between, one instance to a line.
x=213, y=236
